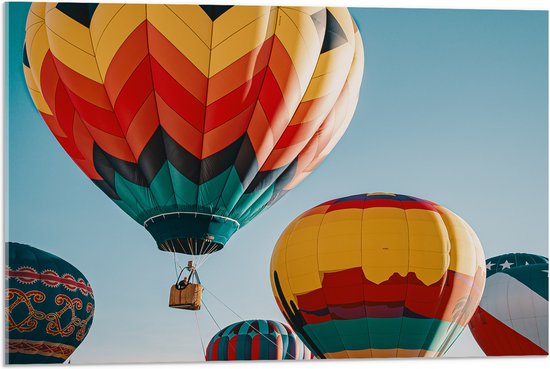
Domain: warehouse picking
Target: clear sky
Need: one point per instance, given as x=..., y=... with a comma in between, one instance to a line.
x=453, y=108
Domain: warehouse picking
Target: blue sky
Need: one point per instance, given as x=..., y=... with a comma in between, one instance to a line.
x=453, y=108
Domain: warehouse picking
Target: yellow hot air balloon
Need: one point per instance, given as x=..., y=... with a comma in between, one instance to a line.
x=378, y=275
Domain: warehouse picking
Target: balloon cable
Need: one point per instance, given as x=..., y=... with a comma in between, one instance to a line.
x=217, y=325
x=175, y=264
x=200, y=334
x=208, y=252
x=211, y=316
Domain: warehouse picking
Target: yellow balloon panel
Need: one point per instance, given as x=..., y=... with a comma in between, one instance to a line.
x=301, y=249
x=298, y=35
x=74, y=51
x=194, y=17
x=429, y=245
x=112, y=35
x=339, y=241
x=226, y=26
x=464, y=257
x=238, y=44
x=69, y=30
x=181, y=36
x=103, y=16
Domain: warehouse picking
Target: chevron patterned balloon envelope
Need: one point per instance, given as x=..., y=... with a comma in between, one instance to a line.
x=193, y=119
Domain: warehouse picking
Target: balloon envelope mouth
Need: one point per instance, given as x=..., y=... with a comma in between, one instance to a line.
x=191, y=233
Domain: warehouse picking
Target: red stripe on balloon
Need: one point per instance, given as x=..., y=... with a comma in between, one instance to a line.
x=279, y=345
x=177, y=97
x=233, y=103
x=176, y=64
x=133, y=95
x=348, y=294
x=70, y=131
x=101, y=116
x=497, y=339
x=87, y=89
x=215, y=349
x=271, y=99
x=29, y=276
x=127, y=58
x=255, y=347
x=380, y=203
x=232, y=348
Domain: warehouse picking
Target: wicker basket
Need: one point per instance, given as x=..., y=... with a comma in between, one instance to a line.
x=188, y=298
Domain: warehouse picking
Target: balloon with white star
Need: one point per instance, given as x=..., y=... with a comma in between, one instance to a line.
x=512, y=318
x=512, y=260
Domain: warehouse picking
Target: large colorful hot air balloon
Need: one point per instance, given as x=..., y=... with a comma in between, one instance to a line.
x=256, y=340
x=512, y=318
x=193, y=119
x=378, y=275
x=49, y=306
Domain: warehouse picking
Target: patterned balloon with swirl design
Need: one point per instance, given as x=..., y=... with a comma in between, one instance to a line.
x=49, y=306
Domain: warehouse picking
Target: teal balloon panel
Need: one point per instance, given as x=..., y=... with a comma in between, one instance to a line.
x=49, y=306
x=256, y=340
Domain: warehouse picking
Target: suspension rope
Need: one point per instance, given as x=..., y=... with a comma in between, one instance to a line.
x=211, y=316
x=175, y=260
x=204, y=251
x=200, y=258
x=195, y=248
x=200, y=334
x=208, y=252
x=175, y=264
x=179, y=242
x=217, y=325
x=243, y=320
x=199, y=255
x=200, y=252
x=233, y=311
x=189, y=244
x=202, y=247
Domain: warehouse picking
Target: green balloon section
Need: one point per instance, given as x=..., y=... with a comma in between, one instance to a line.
x=512, y=260
x=49, y=306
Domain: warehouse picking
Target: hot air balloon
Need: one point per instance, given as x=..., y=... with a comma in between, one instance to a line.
x=378, y=275
x=49, y=306
x=256, y=340
x=193, y=119
x=512, y=318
